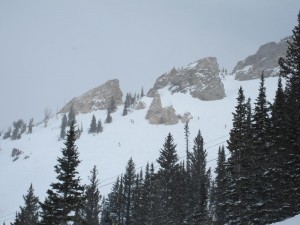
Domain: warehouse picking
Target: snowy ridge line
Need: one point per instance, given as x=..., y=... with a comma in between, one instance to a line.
x=140, y=167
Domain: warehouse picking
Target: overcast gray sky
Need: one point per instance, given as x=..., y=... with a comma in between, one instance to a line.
x=53, y=50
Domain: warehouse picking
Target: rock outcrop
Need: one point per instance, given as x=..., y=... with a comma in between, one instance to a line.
x=15, y=154
x=159, y=115
x=140, y=105
x=201, y=79
x=264, y=60
x=168, y=116
x=98, y=98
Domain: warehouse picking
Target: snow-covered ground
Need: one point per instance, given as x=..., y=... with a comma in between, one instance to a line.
x=292, y=221
x=121, y=139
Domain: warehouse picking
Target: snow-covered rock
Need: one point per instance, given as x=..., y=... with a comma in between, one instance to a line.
x=201, y=79
x=264, y=60
x=140, y=105
x=159, y=115
x=98, y=98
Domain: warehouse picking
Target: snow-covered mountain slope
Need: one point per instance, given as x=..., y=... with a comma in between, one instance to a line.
x=291, y=221
x=129, y=136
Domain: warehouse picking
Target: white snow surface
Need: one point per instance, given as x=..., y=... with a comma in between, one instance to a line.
x=292, y=221
x=120, y=140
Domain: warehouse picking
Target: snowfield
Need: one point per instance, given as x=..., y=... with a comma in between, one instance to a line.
x=129, y=136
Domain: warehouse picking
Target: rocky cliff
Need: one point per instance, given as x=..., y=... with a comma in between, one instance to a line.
x=96, y=99
x=264, y=60
x=200, y=79
x=159, y=115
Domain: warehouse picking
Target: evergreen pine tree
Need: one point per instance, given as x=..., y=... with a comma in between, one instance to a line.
x=138, y=213
x=121, y=202
x=142, y=92
x=125, y=111
x=261, y=164
x=290, y=69
x=188, y=179
x=238, y=193
x=65, y=199
x=279, y=161
x=99, y=127
x=19, y=129
x=7, y=134
x=16, y=132
x=200, y=182
x=168, y=161
x=155, y=216
x=186, y=134
x=212, y=203
x=108, y=118
x=92, y=206
x=78, y=133
x=112, y=105
x=129, y=186
x=71, y=116
x=63, y=126
x=116, y=201
x=181, y=195
x=146, y=191
x=93, y=125
x=133, y=99
x=289, y=65
x=220, y=186
x=28, y=214
x=30, y=126
x=126, y=105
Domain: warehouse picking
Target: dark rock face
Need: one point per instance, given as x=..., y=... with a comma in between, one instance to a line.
x=201, y=79
x=98, y=98
x=16, y=152
x=264, y=60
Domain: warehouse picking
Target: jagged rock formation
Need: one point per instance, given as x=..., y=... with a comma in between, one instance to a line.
x=98, y=98
x=159, y=115
x=154, y=112
x=264, y=60
x=201, y=79
x=168, y=116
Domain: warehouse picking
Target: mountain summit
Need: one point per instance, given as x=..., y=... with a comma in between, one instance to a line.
x=201, y=79
x=264, y=60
